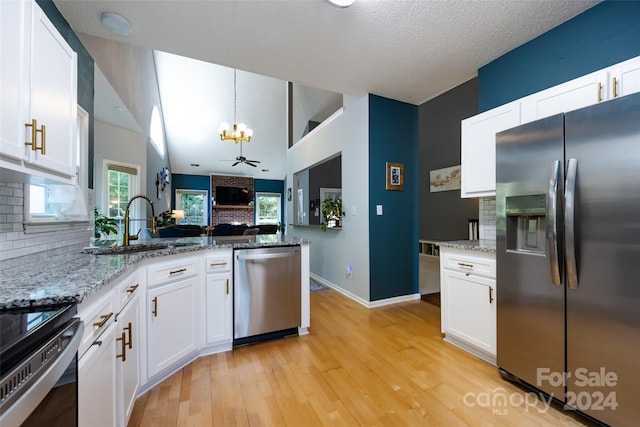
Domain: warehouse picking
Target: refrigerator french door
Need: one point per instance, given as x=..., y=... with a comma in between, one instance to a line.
x=568, y=248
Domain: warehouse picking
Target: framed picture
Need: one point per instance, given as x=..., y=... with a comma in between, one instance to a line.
x=445, y=179
x=395, y=176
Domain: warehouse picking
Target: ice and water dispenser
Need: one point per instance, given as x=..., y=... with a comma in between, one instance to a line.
x=526, y=223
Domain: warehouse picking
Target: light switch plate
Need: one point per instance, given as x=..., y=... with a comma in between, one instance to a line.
x=378, y=209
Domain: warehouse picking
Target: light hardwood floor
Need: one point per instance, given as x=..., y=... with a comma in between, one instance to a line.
x=358, y=367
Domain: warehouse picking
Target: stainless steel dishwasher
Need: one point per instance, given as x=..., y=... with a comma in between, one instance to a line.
x=267, y=293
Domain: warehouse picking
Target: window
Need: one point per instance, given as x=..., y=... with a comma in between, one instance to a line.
x=51, y=207
x=268, y=208
x=156, y=133
x=194, y=204
x=122, y=183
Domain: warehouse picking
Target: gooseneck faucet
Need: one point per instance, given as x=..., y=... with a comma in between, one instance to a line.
x=125, y=236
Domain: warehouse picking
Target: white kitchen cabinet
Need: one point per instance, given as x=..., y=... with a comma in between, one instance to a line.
x=39, y=95
x=97, y=382
x=624, y=78
x=572, y=95
x=172, y=313
x=128, y=349
x=468, y=298
x=219, y=298
x=478, y=148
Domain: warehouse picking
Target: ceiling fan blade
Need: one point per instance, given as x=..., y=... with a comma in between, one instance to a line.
x=254, y=161
x=250, y=164
x=236, y=163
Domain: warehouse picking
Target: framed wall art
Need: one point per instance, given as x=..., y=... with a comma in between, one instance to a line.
x=395, y=176
x=445, y=179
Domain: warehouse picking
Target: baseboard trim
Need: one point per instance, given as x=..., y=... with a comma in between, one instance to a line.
x=362, y=301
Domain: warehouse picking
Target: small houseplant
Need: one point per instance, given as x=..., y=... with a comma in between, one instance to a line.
x=331, y=212
x=103, y=225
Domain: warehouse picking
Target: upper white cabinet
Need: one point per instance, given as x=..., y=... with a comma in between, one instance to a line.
x=478, y=150
x=479, y=132
x=39, y=95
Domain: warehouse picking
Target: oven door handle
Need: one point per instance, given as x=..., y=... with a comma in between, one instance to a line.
x=28, y=396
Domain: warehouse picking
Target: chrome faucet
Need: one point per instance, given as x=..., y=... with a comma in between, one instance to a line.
x=125, y=236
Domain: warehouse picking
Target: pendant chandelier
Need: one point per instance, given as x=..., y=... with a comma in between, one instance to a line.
x=240, y=131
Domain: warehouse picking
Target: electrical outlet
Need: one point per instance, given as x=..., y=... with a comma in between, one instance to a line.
x=349, y=272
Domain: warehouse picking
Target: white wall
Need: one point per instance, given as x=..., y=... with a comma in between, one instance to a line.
x=332, y=251
x=312, y=104
x=120, y=145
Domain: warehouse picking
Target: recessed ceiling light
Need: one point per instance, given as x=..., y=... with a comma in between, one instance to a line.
x=115, y=23
x=265, y=170
x=340, y=3
x=195, y=165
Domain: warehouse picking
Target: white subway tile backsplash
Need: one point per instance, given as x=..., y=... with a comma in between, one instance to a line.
x=487, y=218
x=14, y=242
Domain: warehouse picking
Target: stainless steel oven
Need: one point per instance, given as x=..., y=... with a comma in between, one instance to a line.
x=38, y=367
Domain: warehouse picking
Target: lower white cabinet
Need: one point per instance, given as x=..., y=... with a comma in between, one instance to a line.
x=172, y=325
x=97, y=382
x=468, y=299
x=128, y=358
x=219, y=308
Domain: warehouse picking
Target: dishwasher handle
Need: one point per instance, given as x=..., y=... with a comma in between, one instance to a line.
x=268, y=256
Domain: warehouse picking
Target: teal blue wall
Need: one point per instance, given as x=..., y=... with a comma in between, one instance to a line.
x=393, y=237
x=270, y=186
x=85, y=70
x=601, y=36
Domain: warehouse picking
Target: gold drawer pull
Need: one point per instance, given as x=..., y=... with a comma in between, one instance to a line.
x=128, y=328
x=132, y=288
x=34, y=135
x=599, y=92
x=218, y=264
x=615, y=87
x=105, y=318
x=154, y=307
x=123, y=355
x=227, y=286
x=182, y=270
x=464, y=265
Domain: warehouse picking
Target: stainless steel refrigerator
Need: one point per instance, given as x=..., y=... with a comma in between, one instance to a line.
x=568, y=258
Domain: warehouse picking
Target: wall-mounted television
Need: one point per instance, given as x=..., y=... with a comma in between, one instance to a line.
x=232, y=195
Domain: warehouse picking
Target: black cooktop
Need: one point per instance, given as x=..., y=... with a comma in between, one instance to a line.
x=22, y=332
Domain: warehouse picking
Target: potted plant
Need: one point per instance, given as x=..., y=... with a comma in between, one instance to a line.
x=103, y=225
x=331, y=212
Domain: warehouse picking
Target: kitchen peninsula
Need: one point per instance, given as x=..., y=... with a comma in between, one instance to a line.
x=145, y=313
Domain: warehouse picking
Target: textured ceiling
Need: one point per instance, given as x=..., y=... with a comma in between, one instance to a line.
x=405, y=50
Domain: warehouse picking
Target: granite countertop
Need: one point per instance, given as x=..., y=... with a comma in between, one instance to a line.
x=68, y=275
x=471, y=245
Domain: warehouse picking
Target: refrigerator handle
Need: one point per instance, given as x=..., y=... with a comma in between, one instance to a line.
x=569, y=224
x=552, y=222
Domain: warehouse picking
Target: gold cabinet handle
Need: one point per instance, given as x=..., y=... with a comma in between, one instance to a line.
x=104, y=319
x=490, y=294
x=464, y=265
x=34, y=136
x=599, y=92
x=154, y=306
x=227, y=286
x=132, y=288
x=217, y=264
x=615, y=87
x=128, y=328
x=182, y=270
x=123, y=348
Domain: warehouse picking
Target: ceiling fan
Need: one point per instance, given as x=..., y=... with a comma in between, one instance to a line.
x=243, y=159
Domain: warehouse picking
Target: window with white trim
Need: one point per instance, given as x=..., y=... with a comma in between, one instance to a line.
x=156, y=132
x=268, y=208
x=122, y=182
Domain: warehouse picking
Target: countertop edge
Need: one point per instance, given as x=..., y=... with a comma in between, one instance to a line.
x=488, y=246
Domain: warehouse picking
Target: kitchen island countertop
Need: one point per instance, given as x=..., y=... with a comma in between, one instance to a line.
x=68, y=275
x=470, y=245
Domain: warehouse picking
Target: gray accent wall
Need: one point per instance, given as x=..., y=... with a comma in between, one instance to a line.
x=444, y=215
